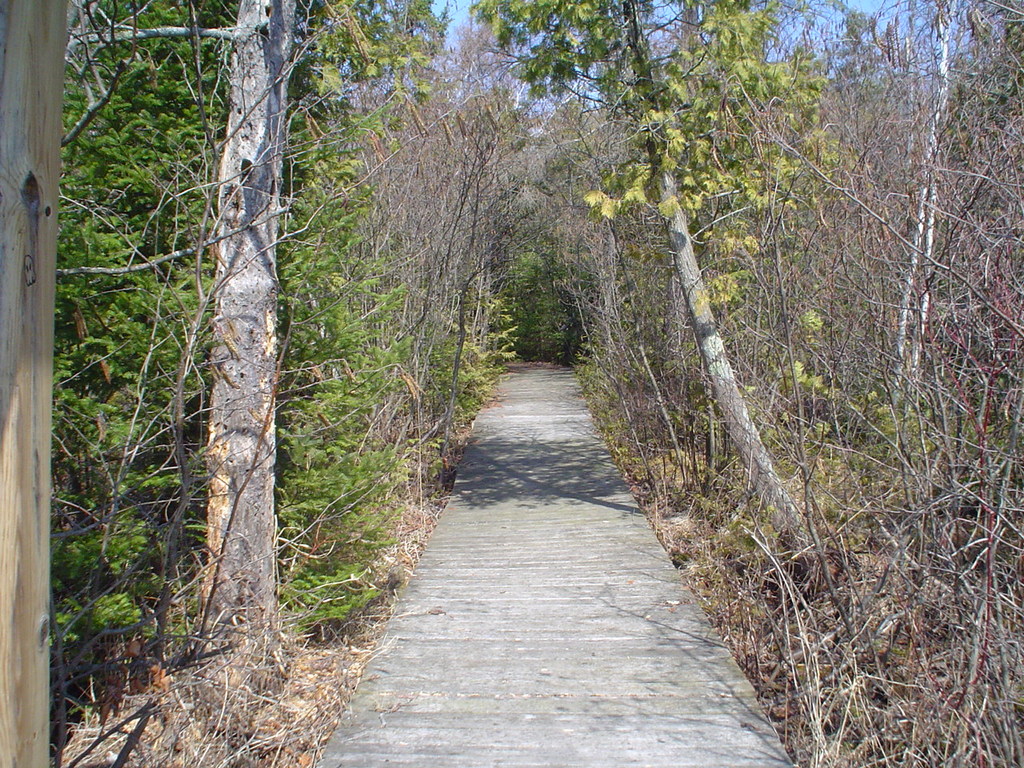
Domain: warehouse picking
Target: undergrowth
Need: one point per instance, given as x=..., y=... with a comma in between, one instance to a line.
x=883, y=642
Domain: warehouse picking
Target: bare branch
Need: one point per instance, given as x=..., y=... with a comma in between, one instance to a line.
x=94, y=108
x=151, y=263
x=123, y=34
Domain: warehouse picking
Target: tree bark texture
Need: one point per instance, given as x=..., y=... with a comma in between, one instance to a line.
x=32, y=40
x=241, y=586
x=725, y=391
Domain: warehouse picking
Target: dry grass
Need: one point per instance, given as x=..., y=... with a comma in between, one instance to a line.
x=864, y=649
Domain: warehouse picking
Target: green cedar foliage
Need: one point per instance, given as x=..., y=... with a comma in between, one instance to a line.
x=697, y=104
x=543, y=320
x=365, y=42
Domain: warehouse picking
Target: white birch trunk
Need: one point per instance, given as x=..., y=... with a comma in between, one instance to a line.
x=32, y=39
x=241, y=587
x=913, y=310
x=725, y=391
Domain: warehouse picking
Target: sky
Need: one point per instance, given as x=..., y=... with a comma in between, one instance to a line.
x=459, y=9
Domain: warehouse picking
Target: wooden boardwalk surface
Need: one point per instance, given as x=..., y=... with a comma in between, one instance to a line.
x=545, y=625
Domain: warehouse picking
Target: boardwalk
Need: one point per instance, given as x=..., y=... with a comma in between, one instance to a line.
x=545, y=626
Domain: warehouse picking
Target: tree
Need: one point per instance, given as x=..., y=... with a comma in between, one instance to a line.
x=135, y=308
x=688, y=91
x=31, y=68
x=915, y=298
x=241, y=527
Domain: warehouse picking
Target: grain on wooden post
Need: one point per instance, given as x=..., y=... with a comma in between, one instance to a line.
x=32, y=39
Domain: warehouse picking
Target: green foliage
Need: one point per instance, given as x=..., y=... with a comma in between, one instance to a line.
x=127, y=387
x=104, y=578
x=480, y=371
x=812, y=322
x=326, y=592
x=728, y=287
x=128, y=416
x=338, y=470
x=479, y=368
x=369, y=41
x=543, y=322
x=697, y=114
x=562, y=41
x=803, y=378
x=335, y=476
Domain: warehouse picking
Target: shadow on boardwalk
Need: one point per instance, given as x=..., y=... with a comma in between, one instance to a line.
x=537, y=473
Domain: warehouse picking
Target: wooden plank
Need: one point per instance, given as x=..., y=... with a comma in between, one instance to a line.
x=32, y=40
x=546, y=626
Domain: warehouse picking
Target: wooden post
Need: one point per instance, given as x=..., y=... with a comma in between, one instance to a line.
x=32, y=39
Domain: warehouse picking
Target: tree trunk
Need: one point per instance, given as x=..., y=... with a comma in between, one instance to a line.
x=241, y=525
x=32, y=40
x=724, y=390
x=911, y=322
x=726, y=393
